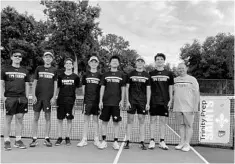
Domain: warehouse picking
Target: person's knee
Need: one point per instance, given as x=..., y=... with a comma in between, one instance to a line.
x=153, y=119
x=48, y=116
x=189, y=126
x=130, y=120
x=19, y=116
x=115, y=123
x=104, y=123
x=141, y=119
x=36, y=116
x=86, y=118
x=8, y=119
x=95, y=119
x=162, y=120
x=69, y=121
x=60, y=121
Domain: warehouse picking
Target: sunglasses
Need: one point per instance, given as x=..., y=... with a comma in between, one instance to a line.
x=19, y=56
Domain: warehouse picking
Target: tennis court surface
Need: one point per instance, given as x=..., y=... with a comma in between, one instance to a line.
x=91, y=154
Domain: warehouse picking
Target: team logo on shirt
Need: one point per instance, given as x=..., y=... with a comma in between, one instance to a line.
x=67, y=82
x=139, y=79
x=46, y=75
x=182, y=84
x=160, y=78
x=113, y=79
x=16, y=75
x=92, y=80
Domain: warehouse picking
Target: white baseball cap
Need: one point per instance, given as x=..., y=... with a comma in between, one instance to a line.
x=48, y=53
x=140, y=58
x=93, y=58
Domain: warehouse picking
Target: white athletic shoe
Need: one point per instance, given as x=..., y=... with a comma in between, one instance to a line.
x=151, y=144
x=82, y=143
x=96, y=142
x=163, y=146
x=180, y=146
x=186, y=148
x=102, y=145
x=116, y=145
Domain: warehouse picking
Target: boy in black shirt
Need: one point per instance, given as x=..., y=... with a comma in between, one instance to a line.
x=111, y=100
x=91, y=91
x=161, y=97
x=44, y=94
x=15, y=87
x=138, y=99
x=68, y=83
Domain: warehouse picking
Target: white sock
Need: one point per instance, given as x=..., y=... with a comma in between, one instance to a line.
x=35, y=138
x=46, y=138
x=18, y=138
x=7, y=139
x=96, y=138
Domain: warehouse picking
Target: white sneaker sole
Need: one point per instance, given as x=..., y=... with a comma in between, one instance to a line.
x=35, y=145
x=103, y=147
x=20, y=147
x=151, y=147
x=116, y=148
x=179, y=147
x=82, y=145
x=186, y=150
x=164, y=148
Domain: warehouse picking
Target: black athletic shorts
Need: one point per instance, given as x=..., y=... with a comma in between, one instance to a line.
x=109, y=111
x=65, y=108
x=15, y=105
x=158, y=110
x=65, y=111
x=91, y=109
x=42, y=104
x=140, y=108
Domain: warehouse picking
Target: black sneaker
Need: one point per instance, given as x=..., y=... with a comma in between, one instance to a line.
x=143, y=147
x=67, y=141
x=20, y=144
x=34, y=143
x=58, y=142
x=7, y=145
x=126, y=146
x=47, y=142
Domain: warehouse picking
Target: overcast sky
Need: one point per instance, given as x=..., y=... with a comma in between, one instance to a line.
x=155, y=26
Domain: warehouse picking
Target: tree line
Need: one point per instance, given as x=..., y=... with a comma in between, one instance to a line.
x=72, y=30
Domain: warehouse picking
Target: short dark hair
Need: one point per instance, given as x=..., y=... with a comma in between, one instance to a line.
x=160, y=55
x=94, y=54
x=17, y=51
x=68, y=59
x=114, y=57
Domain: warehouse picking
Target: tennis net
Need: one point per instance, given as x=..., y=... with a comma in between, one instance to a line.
x=171, y=136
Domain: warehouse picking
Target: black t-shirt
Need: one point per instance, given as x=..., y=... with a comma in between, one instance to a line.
x=92, y=87
x=160, y=81
x=15, y=79
x=67, y=85
x=45, y=82
x=113, y=82
x=137, y=90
